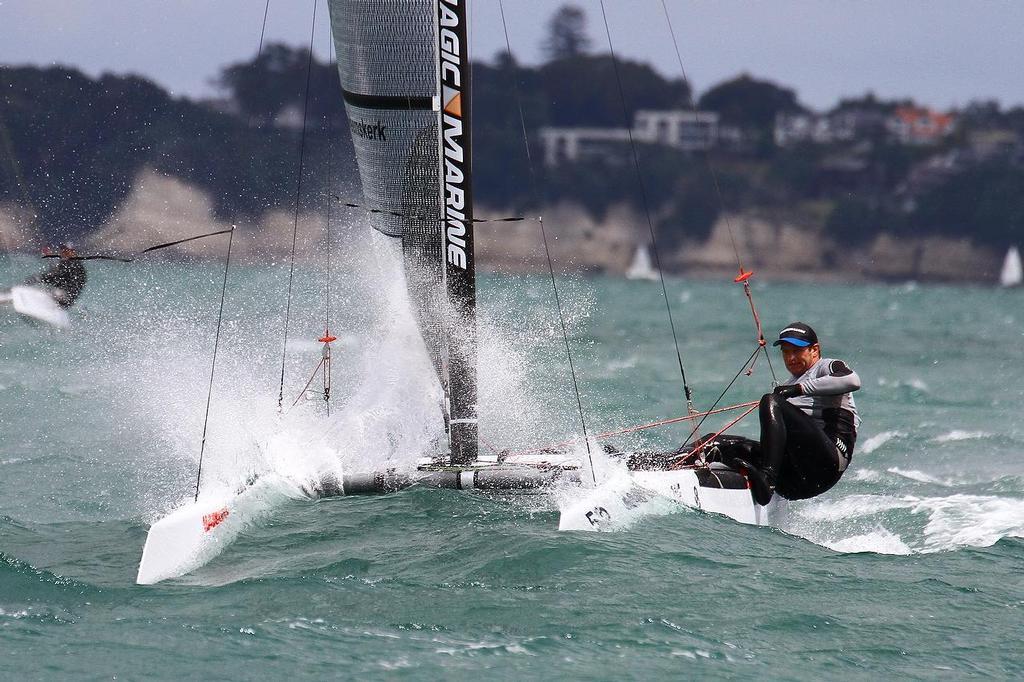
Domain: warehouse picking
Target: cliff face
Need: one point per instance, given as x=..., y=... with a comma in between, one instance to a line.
x=780, y=248
x=16, y=230
x=931, y=259
x=576, y=240
x=777, y=247
x=161, y=209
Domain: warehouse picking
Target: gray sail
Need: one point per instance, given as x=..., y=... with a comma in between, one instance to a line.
x=390, y=61
x=388, y=77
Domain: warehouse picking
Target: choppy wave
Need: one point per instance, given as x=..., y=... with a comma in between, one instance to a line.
x=878, y=541
x=18, y=577
x=878, y=440
x=970, y=520
x=381, y=583
x=909, y=524
x=958, y=435
x=920, y=476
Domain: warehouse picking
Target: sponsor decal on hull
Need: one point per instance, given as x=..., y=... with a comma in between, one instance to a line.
x=214, y=519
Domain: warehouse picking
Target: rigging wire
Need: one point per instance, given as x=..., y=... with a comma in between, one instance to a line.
x=295, y=222
x=647, y=211
x=223, y=291
x=744, y=275
x=742, y=369
x=213, y=365
x=327, y=338
x=634, y=429
x=693, y=106
x=534, y=186
x=692, y=455
x=122, y=259
x=426, y=219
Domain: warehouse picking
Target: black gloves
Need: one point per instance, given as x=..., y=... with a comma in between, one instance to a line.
x=788, y=391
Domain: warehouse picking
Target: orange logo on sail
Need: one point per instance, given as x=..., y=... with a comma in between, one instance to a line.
x=454, y=105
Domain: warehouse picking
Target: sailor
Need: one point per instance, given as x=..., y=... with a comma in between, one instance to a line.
x=808, y=423
x=66, y=279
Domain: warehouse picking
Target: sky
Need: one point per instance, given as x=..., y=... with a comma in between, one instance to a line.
x=942, y=53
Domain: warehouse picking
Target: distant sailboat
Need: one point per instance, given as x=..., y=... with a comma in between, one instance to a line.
x=403, y=69
x=641, y=267
x=1011, y=275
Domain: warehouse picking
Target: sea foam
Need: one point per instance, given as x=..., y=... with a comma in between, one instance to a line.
x=958, y=435
x=878, y=440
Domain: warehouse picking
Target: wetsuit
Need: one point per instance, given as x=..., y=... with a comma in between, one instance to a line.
x=808, y=440
x=67, y=278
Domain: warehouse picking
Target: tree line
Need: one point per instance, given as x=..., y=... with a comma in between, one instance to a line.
x=73, y=145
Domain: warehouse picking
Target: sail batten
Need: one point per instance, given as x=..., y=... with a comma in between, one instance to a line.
x=393, y=102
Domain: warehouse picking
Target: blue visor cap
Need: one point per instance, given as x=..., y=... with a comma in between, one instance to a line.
x=796, y=342
x=797, y=334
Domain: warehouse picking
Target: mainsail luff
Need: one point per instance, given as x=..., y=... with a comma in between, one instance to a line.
x=405, y=79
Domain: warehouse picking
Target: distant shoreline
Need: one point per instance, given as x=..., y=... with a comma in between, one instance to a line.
x=777, y=248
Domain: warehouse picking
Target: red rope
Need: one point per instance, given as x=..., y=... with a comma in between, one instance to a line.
x=690, y=456
x=651, y=425
x=313, y=376
x=489, y=445
x=744, y=278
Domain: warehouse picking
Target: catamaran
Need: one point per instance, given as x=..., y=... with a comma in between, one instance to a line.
x=405, y=78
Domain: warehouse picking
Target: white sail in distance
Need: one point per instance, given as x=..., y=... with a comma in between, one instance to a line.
x=642, y=267
x=1011, y=275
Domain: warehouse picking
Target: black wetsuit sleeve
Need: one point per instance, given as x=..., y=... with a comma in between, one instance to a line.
x=840, y=378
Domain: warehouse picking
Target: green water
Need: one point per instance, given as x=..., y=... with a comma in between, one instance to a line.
x=911, y=566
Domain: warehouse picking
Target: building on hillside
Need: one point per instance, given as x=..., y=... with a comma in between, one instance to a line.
x=583, y=144
x=919, y=126
x=689, y=131
x=856, y=123
x=685, y=130
x=794, y=128
x=845, y=125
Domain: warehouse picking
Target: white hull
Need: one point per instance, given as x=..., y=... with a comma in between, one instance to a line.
x=37, y=304
x=179, y=542
x=196, y=532
x=602, y=508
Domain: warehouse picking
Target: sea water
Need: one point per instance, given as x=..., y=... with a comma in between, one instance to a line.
x=911, y=566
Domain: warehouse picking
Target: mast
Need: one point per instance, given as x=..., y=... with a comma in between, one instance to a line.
x=455, y=135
